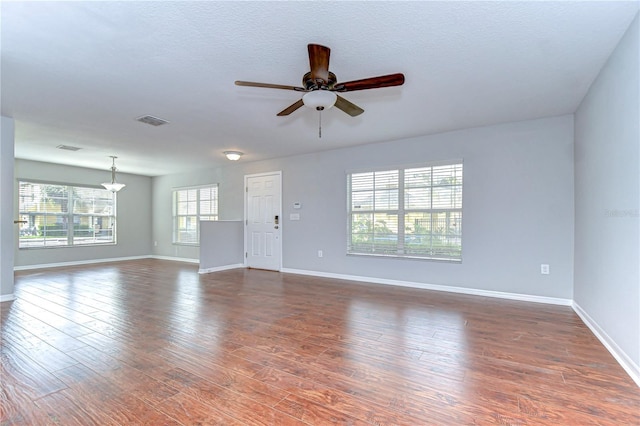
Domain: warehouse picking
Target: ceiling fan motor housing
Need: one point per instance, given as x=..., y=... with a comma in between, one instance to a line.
x=310, y=84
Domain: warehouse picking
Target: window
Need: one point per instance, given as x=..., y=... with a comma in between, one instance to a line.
x=190, y=206
x=412, y=212
x=55, y=215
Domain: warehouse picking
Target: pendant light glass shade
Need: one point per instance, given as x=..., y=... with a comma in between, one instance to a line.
x=113, y=186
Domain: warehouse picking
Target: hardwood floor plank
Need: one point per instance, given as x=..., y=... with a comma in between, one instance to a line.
x=64, y=411
x=152, y=342
x=254, y=389
x=104, y=398
x=278, y=369
x=410, y=401
x=227, y=401
x=53, y=315
x=22, y=375
x=18, y=408
x=95, y=359
x=315, y=414
x=305, y=391
x=198, y=362
x=189, y=411
x=140, y=385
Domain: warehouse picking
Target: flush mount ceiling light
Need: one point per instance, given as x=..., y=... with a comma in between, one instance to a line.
x=233, y=155
x=319, y=99
x=113, y=186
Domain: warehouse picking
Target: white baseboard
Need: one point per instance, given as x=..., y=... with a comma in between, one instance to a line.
x=113, y=259
x=175, y=259
x=7, y=297
x=77, y=262
x=436, y=287
x=632, y=369
x=220, y=268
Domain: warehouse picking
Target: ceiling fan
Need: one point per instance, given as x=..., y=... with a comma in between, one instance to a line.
x=321, y=87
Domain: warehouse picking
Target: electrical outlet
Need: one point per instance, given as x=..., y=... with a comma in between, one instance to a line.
x=544, y=269
x=320, y=254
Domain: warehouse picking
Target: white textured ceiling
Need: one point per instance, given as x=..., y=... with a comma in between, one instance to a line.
x=79, y=73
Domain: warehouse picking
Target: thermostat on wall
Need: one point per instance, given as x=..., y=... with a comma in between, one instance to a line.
x=297, y=205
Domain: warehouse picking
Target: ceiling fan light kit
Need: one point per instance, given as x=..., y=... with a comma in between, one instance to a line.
x=319, y=99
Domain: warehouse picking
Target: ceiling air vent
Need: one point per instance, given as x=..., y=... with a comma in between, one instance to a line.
x=150, y=119
x=68, y=148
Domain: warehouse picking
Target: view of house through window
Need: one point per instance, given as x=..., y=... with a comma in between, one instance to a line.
x=412, y=212
x=190, y=206
x=54, y=215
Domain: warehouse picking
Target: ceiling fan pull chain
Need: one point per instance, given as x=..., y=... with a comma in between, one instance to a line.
x=320, y=124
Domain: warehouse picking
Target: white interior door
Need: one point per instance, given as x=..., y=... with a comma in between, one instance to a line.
x=263, y=221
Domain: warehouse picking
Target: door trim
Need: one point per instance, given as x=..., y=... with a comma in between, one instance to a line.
x=246, y=215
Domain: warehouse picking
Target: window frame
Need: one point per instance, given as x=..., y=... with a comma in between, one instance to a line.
x=399, y=212
x=176, y=230
x=67, y=215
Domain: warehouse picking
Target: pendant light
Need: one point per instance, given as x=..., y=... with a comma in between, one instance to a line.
x=113, y=186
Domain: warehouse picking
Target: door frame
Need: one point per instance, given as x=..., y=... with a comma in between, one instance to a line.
x=246, y=215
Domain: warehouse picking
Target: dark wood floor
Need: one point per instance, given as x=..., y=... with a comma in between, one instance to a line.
x=152, y=342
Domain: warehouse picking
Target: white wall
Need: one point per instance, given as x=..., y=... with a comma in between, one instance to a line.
x=6, y=209
x=607, y=179
x=517, y=213
x=133, y=220
x=221, y=244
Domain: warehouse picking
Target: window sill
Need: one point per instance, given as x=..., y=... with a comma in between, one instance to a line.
x=393, y=256
x=67, y=246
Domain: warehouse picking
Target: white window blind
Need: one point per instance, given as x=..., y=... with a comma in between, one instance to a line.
x=412, y=212
x=55, y=215
x=190, y=206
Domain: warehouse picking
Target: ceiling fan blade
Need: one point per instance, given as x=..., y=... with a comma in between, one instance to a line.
x=288, y=110
x=270, y=86
x=370, y=83
x=348, y=107
x=319, y=62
